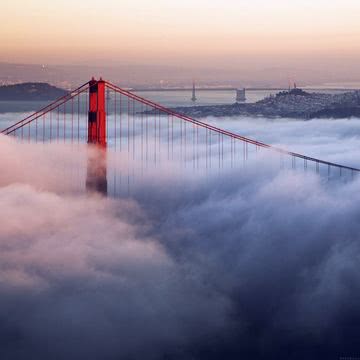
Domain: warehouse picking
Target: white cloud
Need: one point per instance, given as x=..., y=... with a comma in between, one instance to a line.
x=246, y=262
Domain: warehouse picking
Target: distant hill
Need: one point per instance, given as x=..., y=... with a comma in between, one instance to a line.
x=30, y=92
x=295, y=103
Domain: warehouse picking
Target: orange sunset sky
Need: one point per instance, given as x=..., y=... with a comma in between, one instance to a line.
x=209, y=33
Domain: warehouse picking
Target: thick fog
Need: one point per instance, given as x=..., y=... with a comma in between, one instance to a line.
x=245, y=263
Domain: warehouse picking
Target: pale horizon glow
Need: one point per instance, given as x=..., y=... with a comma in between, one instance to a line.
x=209, y=33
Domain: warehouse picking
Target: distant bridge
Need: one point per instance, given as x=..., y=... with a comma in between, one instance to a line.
x=150, y=132
x=225, y=88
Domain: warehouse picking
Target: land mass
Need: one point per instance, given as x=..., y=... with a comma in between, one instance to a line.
x=287, y=104
x=30, y=92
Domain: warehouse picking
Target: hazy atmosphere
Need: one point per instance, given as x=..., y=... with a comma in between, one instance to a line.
x=227, y=42
x=179, y=180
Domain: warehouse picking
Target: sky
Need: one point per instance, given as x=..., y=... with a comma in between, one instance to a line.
x=173, y=32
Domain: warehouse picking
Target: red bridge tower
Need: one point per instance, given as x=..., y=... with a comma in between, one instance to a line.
x=97, y=113
x=96, y=172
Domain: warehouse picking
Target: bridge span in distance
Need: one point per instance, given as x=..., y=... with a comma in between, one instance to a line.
x=151, y=136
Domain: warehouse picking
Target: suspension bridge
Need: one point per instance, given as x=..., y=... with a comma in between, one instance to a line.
x=106, y=116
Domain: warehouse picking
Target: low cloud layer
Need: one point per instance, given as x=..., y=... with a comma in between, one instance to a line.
x=245, y=264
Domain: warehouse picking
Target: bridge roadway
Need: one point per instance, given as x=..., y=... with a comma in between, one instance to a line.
x=234, y=89
x=54, y=123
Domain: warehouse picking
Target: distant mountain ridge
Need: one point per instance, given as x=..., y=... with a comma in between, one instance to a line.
x=30, y=91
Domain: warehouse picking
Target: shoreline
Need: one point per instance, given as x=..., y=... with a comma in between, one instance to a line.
x=295, y=103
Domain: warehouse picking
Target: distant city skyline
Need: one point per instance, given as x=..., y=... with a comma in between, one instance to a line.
x=70, y=76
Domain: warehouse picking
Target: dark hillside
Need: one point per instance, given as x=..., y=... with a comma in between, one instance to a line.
x=30, y=92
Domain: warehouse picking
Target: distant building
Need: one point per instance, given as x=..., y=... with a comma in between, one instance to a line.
x=241, y=95
x=193, y=98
